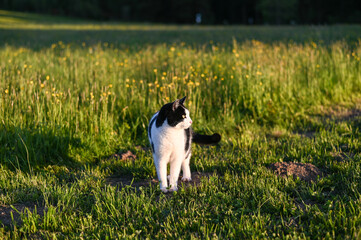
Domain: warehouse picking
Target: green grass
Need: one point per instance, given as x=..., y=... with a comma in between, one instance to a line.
x=73, y=93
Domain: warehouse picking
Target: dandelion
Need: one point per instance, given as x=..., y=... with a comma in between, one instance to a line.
x=6, y=91
x=260, y=83
x=127, y=85
x=110, y=85
x=25, y=65
x=104, y=94
x=164, y=74
x=42, y=85
x=155, y=70
x=258, y=73
x=141, y=81
x=247, y=76
x=31, y=82
x=109, y=93
x=202, y=75
x=47, y=77
x=317, y=66
x=172, y=49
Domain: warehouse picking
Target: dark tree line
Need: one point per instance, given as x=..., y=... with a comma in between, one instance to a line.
x=206, y=11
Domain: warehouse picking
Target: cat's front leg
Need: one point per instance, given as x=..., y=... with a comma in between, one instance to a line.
x=175, y=167
x=186, y=170
x=161, y=166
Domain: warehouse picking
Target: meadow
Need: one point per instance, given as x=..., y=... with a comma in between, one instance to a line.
x=75, y=95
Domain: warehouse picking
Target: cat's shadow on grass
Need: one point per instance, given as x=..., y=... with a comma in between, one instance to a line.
x=30, y=150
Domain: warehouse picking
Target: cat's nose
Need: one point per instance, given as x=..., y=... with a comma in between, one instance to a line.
x=190, y=121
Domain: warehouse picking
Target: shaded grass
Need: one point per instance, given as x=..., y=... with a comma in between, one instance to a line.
x=68, y=102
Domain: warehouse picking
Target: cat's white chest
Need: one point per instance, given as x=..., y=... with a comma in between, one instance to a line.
x=168, y=139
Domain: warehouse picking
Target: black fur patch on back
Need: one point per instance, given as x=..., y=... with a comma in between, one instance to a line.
x=152, y=147
x=150, y=127
x=163, y=113
x=173, y=116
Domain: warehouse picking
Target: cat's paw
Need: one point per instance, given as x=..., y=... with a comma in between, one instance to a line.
x=164, y=190
x=173, y=189
x=186, y=179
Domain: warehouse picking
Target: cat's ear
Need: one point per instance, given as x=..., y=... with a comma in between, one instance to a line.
x=175, y=105
x=182, y=100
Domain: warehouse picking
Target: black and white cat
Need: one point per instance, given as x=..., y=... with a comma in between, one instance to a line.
x=170, y=135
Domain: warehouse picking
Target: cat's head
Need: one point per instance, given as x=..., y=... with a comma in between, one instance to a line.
x=176, y=115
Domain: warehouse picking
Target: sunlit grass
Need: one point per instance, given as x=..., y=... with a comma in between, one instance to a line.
x=68, y=102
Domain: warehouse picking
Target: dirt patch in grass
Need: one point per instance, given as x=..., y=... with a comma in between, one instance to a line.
x=122, y=181
x=342, y=156
x=304, y=171
x=339, y=113
x=123, y=156
x=324, y=115
x=5, y=212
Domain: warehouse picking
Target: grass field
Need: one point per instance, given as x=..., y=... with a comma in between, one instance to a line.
x=75, y=95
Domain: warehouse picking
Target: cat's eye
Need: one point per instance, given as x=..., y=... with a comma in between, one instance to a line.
x=183, y=116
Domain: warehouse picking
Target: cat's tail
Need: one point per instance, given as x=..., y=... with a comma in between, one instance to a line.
x=206, y=139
